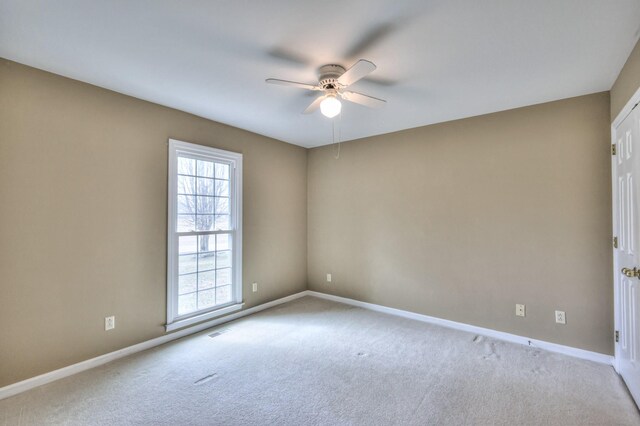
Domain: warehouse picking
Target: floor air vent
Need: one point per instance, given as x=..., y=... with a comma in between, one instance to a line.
x=218, y=332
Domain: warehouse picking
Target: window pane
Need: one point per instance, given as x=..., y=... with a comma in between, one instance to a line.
x=186, y=166
x=205, y=205
x=206, y=243
x=187, y=283
x=223, y=242
x=222, y=171
x=223, y=259
x=205, y=186
x=222, y=222
x=206, y=279
x=223, y=295
x=188, y=245
x=186, y=303
x=221, y=205
x=187, y=264
x=206, y=261
x=186, y=185
x=186, y=204
x=204, y=222
x=222, y=188
x=205, y=168
x=223, y=277
x=186, y=222
x=206, y=299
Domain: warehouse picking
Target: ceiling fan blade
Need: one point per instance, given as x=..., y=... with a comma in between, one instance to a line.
x=356, y=72
x=371, y=38
x=314, y=105
x=292, y=84
x=361, y=99
x=289, y=56
x=381, y=81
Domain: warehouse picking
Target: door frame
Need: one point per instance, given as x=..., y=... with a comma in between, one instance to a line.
x=633, y=101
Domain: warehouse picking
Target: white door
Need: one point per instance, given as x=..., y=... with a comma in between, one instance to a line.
x=626, y=181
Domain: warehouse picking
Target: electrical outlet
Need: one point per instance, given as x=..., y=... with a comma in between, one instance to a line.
x=109, y=323
x=255, y=287
x=561, y=318
x=328, y=278
x=519, y=310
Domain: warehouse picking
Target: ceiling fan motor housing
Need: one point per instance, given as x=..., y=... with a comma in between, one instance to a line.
x=328, y=76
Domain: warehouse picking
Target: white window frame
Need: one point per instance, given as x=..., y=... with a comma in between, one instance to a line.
x=234, y=159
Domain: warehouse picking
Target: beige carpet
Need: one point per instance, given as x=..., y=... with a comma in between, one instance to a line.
x=313, y=362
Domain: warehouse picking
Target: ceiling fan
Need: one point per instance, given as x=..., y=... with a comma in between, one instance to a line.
x=332, y=81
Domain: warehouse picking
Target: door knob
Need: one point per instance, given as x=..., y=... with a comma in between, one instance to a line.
x=635, y=272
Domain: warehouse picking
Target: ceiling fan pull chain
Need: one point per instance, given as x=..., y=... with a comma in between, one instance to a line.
x=337, y=156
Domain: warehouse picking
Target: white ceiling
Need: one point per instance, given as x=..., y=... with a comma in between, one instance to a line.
x=437, y=60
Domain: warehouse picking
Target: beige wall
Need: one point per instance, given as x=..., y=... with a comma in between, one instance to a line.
x=83, y=199
x=462, y=220
x=627, y=83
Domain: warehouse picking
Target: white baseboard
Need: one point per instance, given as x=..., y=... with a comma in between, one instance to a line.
x=552, y=347
x=16, y=388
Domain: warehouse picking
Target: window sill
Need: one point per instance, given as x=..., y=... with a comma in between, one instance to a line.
x=203, y=317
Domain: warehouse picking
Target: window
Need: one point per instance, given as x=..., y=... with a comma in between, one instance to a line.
x=204, y=263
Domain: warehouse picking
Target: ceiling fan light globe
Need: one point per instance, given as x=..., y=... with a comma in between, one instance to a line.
x=330, y=107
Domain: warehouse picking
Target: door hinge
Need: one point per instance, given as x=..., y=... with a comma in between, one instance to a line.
x=617, y=336
x=613, y=149
x=615, y=242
